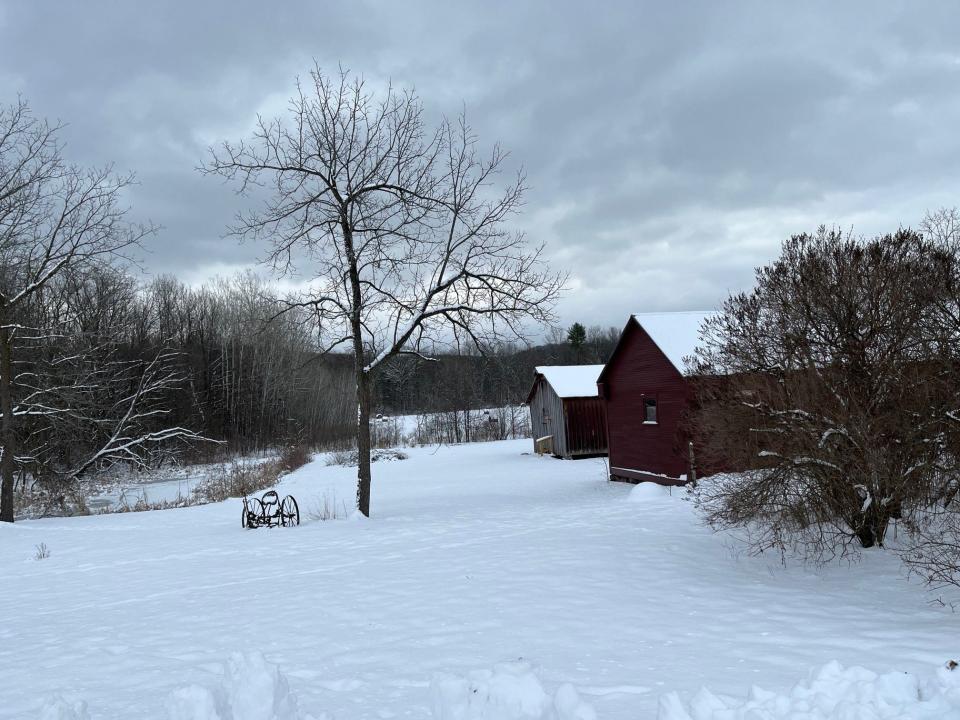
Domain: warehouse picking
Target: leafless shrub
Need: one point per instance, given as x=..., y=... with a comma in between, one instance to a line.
x=833, y=384
x=247, y=478
x=53, y=498
x=348, y=458
x=931, y=550
x=42, y=552
x=236, y=480
x=143, y=503
x=731, y=501
x=328, y=509
x=294, y=456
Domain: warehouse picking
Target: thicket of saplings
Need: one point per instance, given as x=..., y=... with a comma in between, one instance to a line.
x=835, y=385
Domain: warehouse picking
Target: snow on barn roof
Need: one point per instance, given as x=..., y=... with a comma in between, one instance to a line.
x=571, y=380
x=677, y=334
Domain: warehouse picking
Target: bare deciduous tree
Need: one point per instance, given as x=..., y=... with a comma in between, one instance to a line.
x=942, y=226
x=398, y=227
x=830, y=384
x=932, y=550
x=53, y=216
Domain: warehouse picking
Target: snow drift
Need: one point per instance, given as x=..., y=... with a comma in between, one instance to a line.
x=834, y=693
x=251, y=689
x=649, y=491
x=510, y=691
x=56, y=708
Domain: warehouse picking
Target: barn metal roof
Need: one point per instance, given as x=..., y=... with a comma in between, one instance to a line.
x=571, y=380
x=677, y=334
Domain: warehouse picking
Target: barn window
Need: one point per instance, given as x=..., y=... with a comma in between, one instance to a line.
x=546, y=417
x=650, y=410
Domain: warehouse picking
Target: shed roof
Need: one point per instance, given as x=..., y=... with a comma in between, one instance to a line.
x=571, y=380
x=677, y=334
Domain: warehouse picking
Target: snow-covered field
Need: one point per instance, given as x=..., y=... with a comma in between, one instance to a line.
x=488, y=584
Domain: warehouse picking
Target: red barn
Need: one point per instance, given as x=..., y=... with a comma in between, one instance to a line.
x=566, y=414
x=646, y=393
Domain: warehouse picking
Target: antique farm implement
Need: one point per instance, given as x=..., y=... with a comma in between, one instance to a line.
x=269, y=511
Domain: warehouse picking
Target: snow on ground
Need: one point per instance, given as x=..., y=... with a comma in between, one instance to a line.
x=478, y=558
x=834, y=692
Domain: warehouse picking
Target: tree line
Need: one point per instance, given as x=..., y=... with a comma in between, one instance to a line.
x=487, y=377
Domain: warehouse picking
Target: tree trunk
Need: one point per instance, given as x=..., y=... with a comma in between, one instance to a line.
x=866, y=537
x=363, y=379
x=873, y=529
x=363, y=441
x=6, y=424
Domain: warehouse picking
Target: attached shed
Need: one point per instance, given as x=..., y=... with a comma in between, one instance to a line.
x=565, y=407
x=646, y=394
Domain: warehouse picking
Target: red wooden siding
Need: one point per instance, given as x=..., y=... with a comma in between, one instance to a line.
x=638, y=450
x=586, y=426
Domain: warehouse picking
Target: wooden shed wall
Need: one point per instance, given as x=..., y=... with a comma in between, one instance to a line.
x=641, y=451
x=585, y=423
x=546, y=416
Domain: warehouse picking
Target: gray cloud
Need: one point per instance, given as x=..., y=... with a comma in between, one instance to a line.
x=669, y=147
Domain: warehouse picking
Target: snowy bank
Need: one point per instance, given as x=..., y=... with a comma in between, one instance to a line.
x=834, y=693
x=510, y=691
x=251, y=689
x=56, y=708
x=650, y=491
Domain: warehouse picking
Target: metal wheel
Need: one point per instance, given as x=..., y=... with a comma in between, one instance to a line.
x=252, y=513
x=289, y=512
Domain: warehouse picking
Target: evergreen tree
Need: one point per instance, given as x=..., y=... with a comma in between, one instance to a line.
x=577, y=336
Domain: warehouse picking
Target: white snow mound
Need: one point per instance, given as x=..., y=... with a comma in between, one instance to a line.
x=834, y=693
x=56, y=708
x=251, y=689
x=644, y=491
x=510, y=691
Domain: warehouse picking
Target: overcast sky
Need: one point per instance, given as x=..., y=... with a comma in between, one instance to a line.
x=669, y=147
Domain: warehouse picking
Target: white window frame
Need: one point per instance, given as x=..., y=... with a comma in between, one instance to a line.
x=655, y=406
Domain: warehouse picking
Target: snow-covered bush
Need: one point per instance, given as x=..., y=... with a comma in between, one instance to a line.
x=834, y=693
x=833, y=384
x=510, y=691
